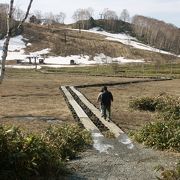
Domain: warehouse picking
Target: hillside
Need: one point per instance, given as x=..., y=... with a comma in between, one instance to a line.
x=150, y=31
x=64, y=41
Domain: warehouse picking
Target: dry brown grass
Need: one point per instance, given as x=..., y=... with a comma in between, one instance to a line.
x=121, y=114
x=31, y=93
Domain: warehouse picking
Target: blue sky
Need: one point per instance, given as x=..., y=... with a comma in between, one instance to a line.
x=166, y=10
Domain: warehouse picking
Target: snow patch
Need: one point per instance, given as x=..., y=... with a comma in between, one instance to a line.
x=124, y=139
x=23, y=67
x=15, y=48
x=41, y=52
x=28, y=44
x=124, y=39
x=99, y=145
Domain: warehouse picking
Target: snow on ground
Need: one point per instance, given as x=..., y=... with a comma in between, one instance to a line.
x=15, y=48
x=85, y=60
x=23, y=67
x=124, y=39
x=16, y=52
x=16, y=43
x=38, y=53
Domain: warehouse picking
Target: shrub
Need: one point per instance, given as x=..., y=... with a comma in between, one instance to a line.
x=164, y=134
x=160, y=135
x=23, y=155
x=167, y=105
x=68, y=140
x=144, y=103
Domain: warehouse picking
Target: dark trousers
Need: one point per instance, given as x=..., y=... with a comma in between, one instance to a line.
x=106, y=111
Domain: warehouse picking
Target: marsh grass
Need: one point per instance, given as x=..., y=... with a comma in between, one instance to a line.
x=128, y=70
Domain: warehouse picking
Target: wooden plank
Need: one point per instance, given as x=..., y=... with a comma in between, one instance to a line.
x=87, y=123
x=110, y=125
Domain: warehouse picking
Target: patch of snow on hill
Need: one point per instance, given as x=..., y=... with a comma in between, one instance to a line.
x=41, y=52
x=15, y=44
x=124, y=39
x=15, y=48
x=80, y=60
x=16, y=52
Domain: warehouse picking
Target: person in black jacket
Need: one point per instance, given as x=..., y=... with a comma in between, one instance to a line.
x=106, y=99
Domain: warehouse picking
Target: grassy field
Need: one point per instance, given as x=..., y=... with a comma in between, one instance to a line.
x=122, y=115
x=130, y=70
x=29, y=93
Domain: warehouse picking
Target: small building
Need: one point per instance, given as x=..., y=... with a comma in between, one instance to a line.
x=72, y=62
x=41, y=60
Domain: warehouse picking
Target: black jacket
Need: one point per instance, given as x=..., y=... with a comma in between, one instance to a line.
x=106, y=98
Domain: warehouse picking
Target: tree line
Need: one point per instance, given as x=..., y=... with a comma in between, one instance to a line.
x=157, y=33
x=47, y=18
x=36, y=17
x=83, y=18
x=109, y=19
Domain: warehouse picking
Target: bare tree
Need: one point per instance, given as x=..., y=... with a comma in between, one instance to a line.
x=110, y=19
x=8, y=35
x=27, y=13
x=157, y=33
x=109, y=14
x=125, y=15
x=60, y=17
x=18, y=14
x=49, y=15
x=80, y=15
x=90, y=11
x=38, y=14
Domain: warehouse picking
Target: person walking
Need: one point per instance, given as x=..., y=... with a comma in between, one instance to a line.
x=106, y=100
x=99, y=100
